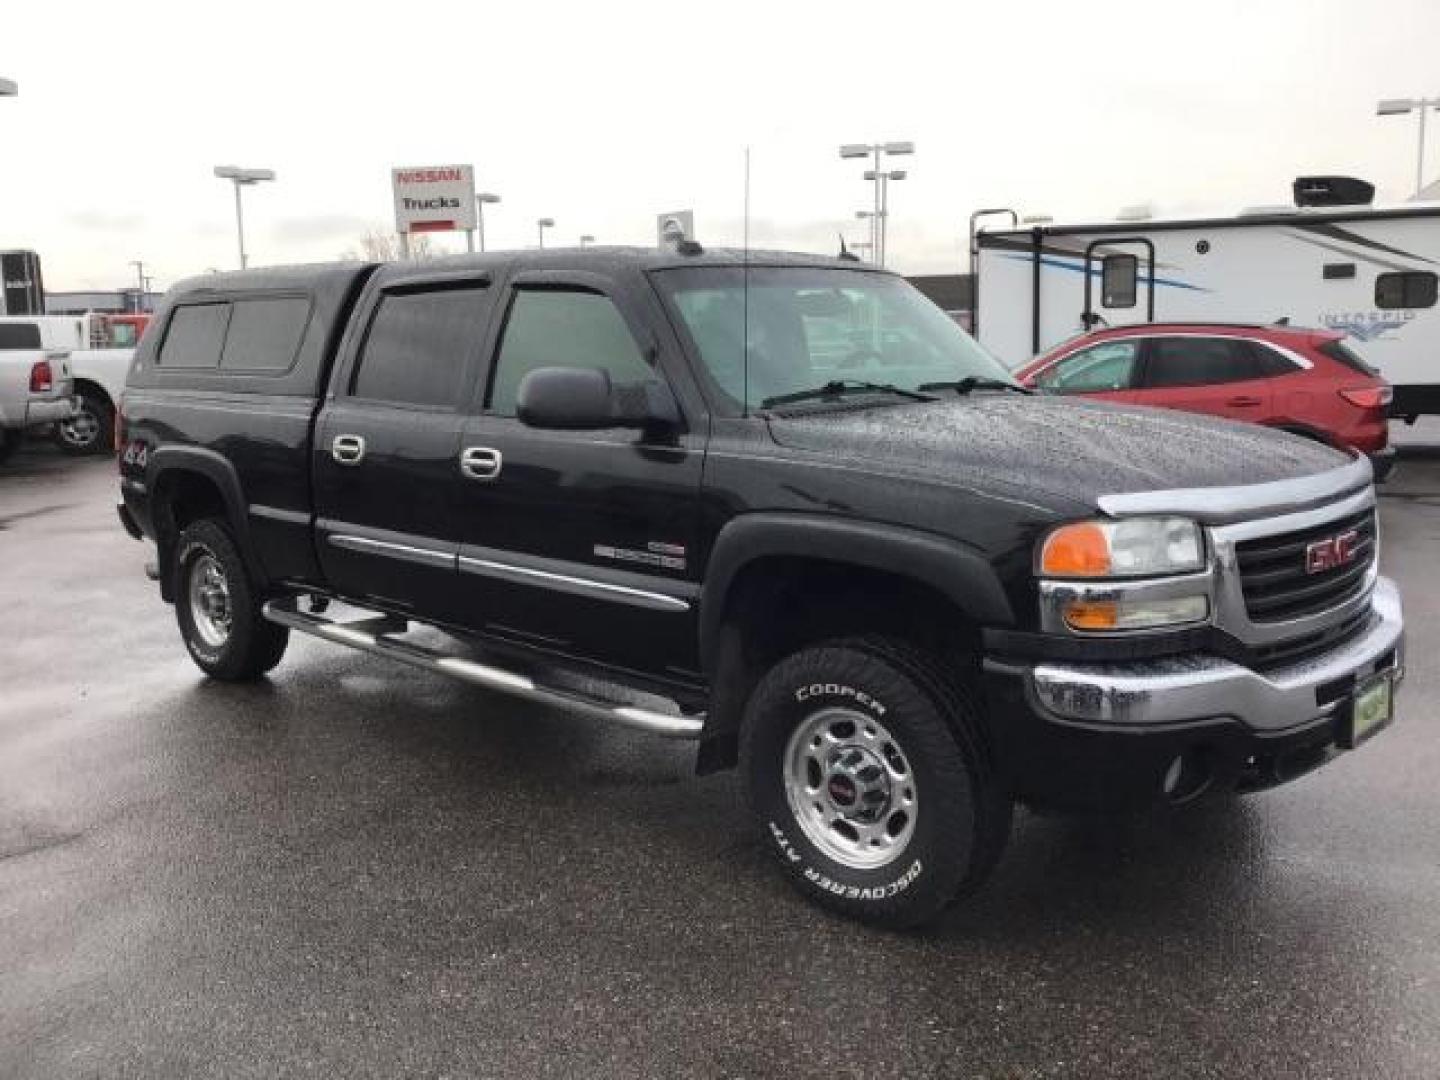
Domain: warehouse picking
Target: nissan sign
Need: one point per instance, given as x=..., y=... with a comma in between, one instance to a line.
x=434, y=198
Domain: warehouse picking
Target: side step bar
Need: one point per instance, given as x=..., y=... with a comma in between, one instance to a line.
x=370, y=636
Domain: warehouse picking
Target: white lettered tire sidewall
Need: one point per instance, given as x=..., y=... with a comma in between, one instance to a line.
x=254, y=645
x=935, y=864
x=191, y=548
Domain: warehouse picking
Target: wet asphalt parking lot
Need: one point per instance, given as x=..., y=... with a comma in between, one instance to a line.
x=356, y=869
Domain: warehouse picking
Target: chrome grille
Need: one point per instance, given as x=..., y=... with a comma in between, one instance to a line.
x=1275, y=579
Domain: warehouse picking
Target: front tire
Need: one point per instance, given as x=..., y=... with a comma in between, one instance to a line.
x=869, y=778
x=218, y=607
x=91, y=429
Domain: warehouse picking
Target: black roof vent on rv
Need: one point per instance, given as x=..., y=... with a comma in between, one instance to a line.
x=1333, y=191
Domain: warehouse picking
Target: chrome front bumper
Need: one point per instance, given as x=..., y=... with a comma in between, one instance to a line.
x=1175, y=691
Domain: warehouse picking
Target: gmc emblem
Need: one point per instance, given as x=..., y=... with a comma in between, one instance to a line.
x=1331, y=553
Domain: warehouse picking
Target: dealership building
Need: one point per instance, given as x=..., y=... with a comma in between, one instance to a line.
x=109, y=301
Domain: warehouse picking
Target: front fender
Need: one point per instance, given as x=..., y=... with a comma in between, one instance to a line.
x=960, y=573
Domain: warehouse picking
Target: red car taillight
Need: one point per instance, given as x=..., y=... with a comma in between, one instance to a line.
x=42, y=379
x=1368, y=397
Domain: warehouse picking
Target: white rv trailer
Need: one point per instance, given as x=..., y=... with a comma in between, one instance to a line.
x=1367, y=271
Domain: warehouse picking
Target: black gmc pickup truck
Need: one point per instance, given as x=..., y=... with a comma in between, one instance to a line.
x=777, y=504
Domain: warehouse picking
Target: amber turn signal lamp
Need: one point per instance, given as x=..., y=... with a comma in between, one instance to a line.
x=1093, y=615
x=1080, y=550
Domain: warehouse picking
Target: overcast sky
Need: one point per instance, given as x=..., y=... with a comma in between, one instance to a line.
x=601, y=115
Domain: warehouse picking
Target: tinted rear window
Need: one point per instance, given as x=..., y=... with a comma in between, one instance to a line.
x=19, y=336
x=195, y=336
x=264, y=335
x=1199, y=361
x=1337, y=351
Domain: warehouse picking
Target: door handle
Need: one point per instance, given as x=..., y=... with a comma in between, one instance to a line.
x=348, y=449
x=481, y=463
x=1244, y=400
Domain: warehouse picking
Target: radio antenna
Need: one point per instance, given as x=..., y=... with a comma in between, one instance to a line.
x=745, y=294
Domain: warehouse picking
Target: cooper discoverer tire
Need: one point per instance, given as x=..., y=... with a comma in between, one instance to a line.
x=870, y=780
x=218, y=608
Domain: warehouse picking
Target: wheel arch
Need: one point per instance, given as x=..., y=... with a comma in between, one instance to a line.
x=185, y=484
x=776, y=580
x=84, y=383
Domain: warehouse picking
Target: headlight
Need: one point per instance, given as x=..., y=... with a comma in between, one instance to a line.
x=1136, y=547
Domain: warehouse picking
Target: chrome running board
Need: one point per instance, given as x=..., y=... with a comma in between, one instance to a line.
x=378, y=635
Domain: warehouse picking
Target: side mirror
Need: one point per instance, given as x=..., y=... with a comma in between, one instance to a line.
x=584, y=399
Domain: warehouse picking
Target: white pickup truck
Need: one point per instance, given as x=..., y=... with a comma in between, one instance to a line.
x=36, y=385
x=98, y=375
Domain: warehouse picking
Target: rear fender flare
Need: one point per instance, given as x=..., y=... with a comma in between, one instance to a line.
x=167, y=462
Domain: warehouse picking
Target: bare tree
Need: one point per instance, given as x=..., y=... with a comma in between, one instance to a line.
x=377, y=245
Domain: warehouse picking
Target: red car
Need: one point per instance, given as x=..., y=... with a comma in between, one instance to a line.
x=1299, y=380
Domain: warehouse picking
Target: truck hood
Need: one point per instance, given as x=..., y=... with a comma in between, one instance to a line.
x=1055, y=450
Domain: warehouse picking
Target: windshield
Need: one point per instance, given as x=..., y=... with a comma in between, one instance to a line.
x=811, y=326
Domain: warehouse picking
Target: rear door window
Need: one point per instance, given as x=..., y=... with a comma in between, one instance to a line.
x=1108, y=366
x=418, y=346
x=19, y=336
x=1199, y=361
x=265, y=334
x=195, y=336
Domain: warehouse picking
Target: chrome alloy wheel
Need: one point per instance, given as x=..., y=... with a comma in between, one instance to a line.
x=851, y=788
x=210, y=601
x=81, y=428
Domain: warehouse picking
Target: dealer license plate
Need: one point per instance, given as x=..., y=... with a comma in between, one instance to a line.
x=1371, y=708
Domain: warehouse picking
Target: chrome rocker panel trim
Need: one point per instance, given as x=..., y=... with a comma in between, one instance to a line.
x=377, y=636
x=598, y=590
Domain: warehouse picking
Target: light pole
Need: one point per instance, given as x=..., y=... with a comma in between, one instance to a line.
x=884, y=179
x=1400, y=106
x=240, y=178
x=140, y=277
x=875, y=150
x=586, y=240
x=480, y=201
x=542, y=224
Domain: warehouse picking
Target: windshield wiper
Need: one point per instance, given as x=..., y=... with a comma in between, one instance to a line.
x=839, y=387
x=976, y=382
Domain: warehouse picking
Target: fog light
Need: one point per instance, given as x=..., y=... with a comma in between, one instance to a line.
x=1136, y=614
x=1172, y=775
x=1187, y=777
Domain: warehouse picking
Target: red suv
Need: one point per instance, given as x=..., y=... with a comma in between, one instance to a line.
x=1300, y=380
